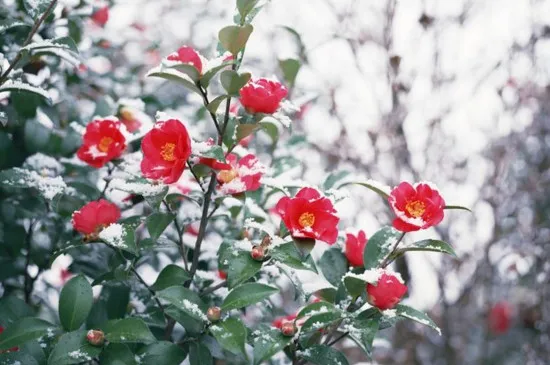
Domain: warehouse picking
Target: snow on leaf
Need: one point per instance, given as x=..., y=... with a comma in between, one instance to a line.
x=19, y=86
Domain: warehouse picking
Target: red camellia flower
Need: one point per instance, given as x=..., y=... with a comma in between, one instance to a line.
x=13, y=349
x=129, y=120
x=95, y=216
x=242, y=175
x=387, y=292
x=187, y=55
x=166, y=149
x=101, y=16
x=500, y=318
x=262, y=96
x=416, y=207
x=102, y=142
x=355, y=245
x=279, y=321
x=309, y=215
x=212, y=162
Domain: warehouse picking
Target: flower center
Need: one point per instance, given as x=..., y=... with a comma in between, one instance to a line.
x=167, y=152
x=226, y=176
x=306, y=219
x=126, y=114
x=104, y=144
x=415, y=208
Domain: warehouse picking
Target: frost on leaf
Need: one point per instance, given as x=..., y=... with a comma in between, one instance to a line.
x=19, y=86
x=49, y=187
x=114, y=235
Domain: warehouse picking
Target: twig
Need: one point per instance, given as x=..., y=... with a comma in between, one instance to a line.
x=181, y=247
x=213, y=288
x=387, y=261
x=195, y=176
x=205, y=100
x=153, y=294
x=343, y=335
x=107, y=182
x=34, y=29
x=28, y=283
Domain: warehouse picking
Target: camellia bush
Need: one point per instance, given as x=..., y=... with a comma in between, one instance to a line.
x=92, y=209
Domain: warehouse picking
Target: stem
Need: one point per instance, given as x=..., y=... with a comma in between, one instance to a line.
x=34, y=29
x=213, y=288
x=205, y=100
x=107, y=182
x=342, y=336
x=195, y=176
x=159, y=304
x=28, y=283
x=388, y=258
x=181, y=247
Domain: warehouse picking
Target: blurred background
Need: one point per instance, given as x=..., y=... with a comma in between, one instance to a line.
x=453, y=92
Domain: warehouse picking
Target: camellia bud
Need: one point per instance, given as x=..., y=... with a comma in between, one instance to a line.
x=214, y=314
x=257, y=253
x=288, y=328
x=95, y=337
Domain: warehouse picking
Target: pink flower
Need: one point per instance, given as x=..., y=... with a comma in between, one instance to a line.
x=387, y=292
x=243, y=175
x=187, y=55
x=101, y=16
x=94, y=216
x=355, y=246
x=103, y=141
x=262, y=96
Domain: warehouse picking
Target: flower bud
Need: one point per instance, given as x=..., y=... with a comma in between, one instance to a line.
x=387, y=292
x=288, y=328
x=214, y=314
x=95, y=337
x=257, y=253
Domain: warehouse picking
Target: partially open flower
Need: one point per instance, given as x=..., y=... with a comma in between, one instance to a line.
x=101, y=16
x=166, y=149
x=103, y=141
x=262, y=96
x=129, y=119
x=387, y=292
x=355, y=246
x=309, y=215
x=187, y=55
x=416, y=207
x=95, y=337
x=257, y=253
x=288, y=328
x=95, y=216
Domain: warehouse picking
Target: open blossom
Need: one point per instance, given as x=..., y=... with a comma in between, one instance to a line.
x=416, y=207
x=166, y=149
x=128, y=118
x=95, y=216
x=500, y=318
x=355, y=245
x=242, y=175
x=187, y=55
x=387, y=292
x=103, y=141
x=13, y=349
x=309, y=215
x=101, y=16
x=262, y=96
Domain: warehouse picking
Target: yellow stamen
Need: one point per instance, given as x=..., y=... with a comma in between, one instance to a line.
x=306, y=219
x=104, y=144
x=415, y=208
x=167, y=152
x=226, y=176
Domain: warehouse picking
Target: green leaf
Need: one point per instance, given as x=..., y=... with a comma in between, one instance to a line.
x=232, y=82
x=9, y=24
x=157, y=222
x=316, y=308
x=363, y=333
x=75, y=303
x=242, y=267
x=459, y=207
x=126, y=241
x=247, y=294
x=193, y=327
x=35, y=8
x=24, y=330
x=187, y=69
x=73, y=348
x=356, y=283
x=169, y=276
x=208, y=75
x=185, y=300
x=24, y=88
x=380, y=246
x=231, y=334
x=290, y=68
x=245, y=7
x=175, y=76
x=63, y=47
x=18, y=358
x=127, y=330
x=372, y=185
x=288, y=254
x=324, y=355
x=199, y=354
x=267, y=342
x=416, y=315
x=333, y=178
x=117, y=354
x=244, y=130
x=12, y=309
x=427, y=245
x=161, y=353
x=334, y=265
x=234, y=37
x=270, y=126
x=214, y=151
x=213, y=105
x=318, y=321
